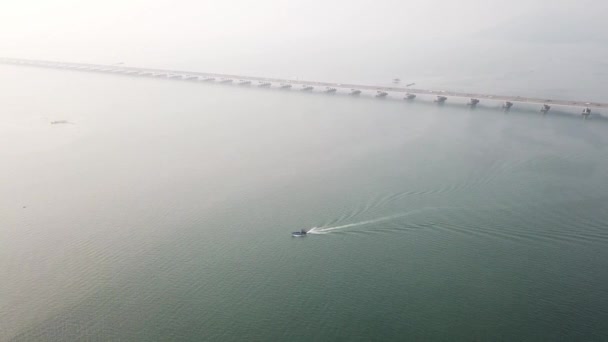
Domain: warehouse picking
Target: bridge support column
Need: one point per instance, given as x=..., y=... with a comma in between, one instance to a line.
x=440, y=99
x=545, y=109
x=586, y=112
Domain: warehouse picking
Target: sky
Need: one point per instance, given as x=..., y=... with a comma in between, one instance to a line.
x=103, y=29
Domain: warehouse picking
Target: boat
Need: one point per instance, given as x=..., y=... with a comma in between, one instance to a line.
x=301, y=233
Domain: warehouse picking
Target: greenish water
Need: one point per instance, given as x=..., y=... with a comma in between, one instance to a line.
x=163, y=211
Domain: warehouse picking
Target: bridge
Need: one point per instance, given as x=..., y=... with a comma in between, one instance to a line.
x=408, y=93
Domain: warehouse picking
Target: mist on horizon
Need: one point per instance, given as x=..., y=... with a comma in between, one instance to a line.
x=437, y=43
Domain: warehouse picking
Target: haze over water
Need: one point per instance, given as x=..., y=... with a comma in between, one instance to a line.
x=163, y=209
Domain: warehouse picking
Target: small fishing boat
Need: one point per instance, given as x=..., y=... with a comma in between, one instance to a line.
x=301, y=233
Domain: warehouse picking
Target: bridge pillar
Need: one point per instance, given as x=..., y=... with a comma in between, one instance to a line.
x=586, y=112
x=440, y=99
x=545, y=108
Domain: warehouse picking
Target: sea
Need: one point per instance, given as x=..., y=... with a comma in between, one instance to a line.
x=143, y=209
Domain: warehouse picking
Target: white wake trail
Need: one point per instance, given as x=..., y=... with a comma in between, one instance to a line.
x=327, y=230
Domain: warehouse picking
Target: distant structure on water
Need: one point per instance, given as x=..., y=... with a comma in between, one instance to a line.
x=440, y=96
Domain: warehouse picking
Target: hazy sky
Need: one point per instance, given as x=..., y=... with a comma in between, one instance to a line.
x=63, y=28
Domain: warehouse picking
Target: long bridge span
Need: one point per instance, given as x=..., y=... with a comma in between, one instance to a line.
x=408, y=93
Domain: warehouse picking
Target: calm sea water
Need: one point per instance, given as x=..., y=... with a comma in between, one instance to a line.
x=163, y=211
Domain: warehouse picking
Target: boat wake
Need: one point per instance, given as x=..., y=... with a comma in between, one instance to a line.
x=326, y=230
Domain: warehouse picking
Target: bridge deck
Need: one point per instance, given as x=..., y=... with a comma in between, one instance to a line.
x=393, y=89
